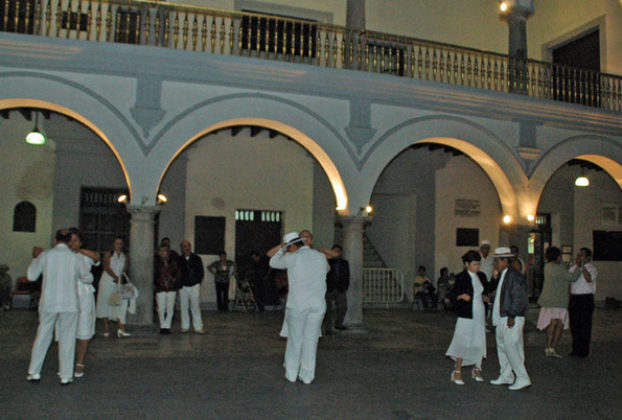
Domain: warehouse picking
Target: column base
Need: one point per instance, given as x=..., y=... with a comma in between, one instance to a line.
x=139, y=330
x=355, y=329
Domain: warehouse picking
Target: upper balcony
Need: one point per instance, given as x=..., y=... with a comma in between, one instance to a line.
x=205, y=30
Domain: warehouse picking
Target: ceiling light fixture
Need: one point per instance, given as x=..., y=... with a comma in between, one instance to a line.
x=36, y=137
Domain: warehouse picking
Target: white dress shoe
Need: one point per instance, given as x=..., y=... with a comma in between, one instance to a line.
x=502, y=381
x=66, y=381
x=33, y=377
x=520, y=384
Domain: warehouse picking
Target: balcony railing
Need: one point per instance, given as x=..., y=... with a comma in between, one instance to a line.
x=271, y=37
x=383, y=286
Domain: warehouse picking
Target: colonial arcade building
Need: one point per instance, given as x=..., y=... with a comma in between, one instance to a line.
x=456, y=121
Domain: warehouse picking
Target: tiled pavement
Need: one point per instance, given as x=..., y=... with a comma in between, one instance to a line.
x=397, y=370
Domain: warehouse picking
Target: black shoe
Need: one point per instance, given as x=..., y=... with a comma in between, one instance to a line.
x=162, y=331
x=341, y=327
x=328, y=332
x=167, y=331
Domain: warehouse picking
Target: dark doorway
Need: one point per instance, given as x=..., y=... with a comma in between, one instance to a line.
x=539, y=241
x=576, y=70
x=255, y=230
x=258, y=230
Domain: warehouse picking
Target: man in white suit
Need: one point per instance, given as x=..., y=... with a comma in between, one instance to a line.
x=306, y=305
x=61, y=269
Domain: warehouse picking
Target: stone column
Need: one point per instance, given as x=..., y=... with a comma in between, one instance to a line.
x=355, y=23
x=516, y=16
x=141, y=261
x=353, y=252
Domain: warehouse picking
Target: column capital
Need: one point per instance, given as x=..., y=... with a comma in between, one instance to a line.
x=356, y=222
x=512, y=9
x=143, y=212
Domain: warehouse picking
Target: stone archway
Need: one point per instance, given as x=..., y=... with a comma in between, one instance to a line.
x=497, y=160
x=304, y=140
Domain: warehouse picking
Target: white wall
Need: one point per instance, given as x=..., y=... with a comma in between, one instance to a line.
x=27, y=173
x=410, y=174
x=558, y=200
x=82, y=160
x=226, y=173
x=323, y=209
x=393, y=230
x=463, y=178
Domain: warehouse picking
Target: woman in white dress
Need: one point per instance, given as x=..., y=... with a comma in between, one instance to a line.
x=468, y=346
x=115, y=264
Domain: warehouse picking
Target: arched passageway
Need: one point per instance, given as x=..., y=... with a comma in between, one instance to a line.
x=571, y=217
x=242, y=186
x=72, y=180
x=432, y=203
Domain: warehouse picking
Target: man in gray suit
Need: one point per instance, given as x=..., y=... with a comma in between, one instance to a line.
x=508, y=317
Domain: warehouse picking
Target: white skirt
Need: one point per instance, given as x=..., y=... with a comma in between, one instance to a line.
x=468, y=343
x=106, y=288
x=86, y=318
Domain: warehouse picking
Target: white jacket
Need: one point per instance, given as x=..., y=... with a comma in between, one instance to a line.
x=306, y=274
x=61, y=269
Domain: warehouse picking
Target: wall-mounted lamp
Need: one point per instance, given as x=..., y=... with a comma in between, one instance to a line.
x=507, y=219
x=162, y=198
x=365, y=211
x=530, y=217
x=504, y=6
x=36, y=137
x=122, y=198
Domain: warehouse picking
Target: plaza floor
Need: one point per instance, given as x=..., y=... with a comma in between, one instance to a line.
x=396, y=370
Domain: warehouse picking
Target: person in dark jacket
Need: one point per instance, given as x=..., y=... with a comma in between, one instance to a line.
x=337, y=283
x=468, y=346
x=508, y=317
x=192, y=273
x=257, y=276
x=167, y=279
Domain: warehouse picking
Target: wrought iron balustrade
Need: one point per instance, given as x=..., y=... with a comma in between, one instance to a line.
x=177, y=26
x=383, y=286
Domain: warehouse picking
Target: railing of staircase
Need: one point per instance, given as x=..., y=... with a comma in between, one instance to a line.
x=192, y=28
x=383, y=286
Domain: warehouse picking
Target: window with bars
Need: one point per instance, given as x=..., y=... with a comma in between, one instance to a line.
x=278, y=36
x=17, y=16
x=388, y=58
x=127, y=26
x=102, y=218
x=258, y=216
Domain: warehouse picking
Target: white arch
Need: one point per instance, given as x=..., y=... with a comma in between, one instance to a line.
x=315, y=135
x=490, y=153
x=599, y=150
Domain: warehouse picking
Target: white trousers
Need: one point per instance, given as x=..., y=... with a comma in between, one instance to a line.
x=166, y=308
x=304, y=329
x=190, y=295
x=68, y=325
x=510, y=349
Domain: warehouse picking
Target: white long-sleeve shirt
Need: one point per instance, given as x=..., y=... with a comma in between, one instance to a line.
x=581, y=286
x=306, y=274
x=61, y=269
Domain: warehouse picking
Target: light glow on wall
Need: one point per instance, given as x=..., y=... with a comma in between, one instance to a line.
x=334, y=177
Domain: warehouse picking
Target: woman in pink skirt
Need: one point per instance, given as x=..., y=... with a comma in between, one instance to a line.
x=553, y=300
